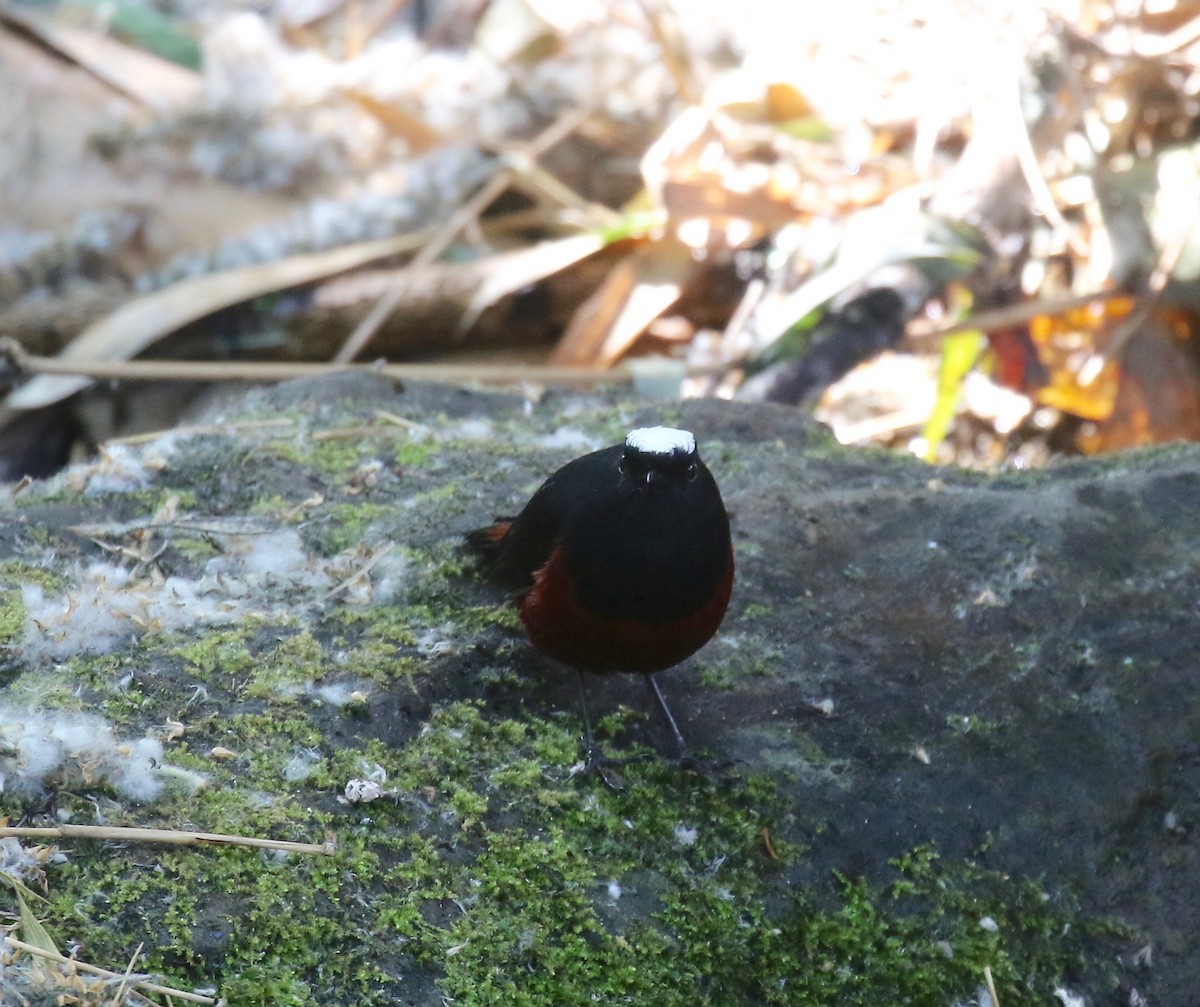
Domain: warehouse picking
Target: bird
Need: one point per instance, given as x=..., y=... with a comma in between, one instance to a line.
x=622, y=560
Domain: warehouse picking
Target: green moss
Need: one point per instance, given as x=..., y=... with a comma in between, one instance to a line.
x=339, y=456
x=334, y=456
x=184, y=499
x=269, y=766
x=40, y=688
x=284, y=671
x=344, y=525
x=223, y=651
x=755, y=611
x=724, y=668
x=497, y=876
x=195, y=550
x=434, y=598
x=439, y=494
x=36, y=534
x=15, y=571
x=410, y=454
x=375, y=660
x=387, y=624
x=12, y=618
x=13, y=574
x=718, y=675
x=272, y=506
x=136, y=504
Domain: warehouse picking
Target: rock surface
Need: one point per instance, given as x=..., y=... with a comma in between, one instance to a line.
x=1004, y=667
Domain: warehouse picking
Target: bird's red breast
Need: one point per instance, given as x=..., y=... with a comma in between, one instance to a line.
x=622, y=559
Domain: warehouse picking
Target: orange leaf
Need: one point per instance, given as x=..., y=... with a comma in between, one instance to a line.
x=1158, y=398
x=635, y=293
x=1067, y=346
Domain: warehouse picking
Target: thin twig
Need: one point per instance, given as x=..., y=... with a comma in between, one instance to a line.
x=119, y=996
x=1156, y=283
x=365, y=568
x=197, y=429
x=95, y=970
x=357, y=432
x=403, y=422
x=991, y=985
x=511, y=164
x=272, y=371
x=1027, y=159
x=365, y=330
x=1158, y=46
x=670, y=42
x=171, y=837
x=1010, y=315
x=376, y=22
x=873, y=428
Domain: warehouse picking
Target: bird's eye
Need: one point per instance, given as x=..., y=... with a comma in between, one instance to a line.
x=692, y=471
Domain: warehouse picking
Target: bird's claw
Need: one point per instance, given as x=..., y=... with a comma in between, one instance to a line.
x=596, y=763
x=592, y=764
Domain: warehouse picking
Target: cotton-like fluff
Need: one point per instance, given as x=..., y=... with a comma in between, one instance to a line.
x=120, y=468
x=391, y=577
x=26, y=863
x=40, y=751
x=106, y=610
x=569, y=439
x=266, y=574
x=275, y=560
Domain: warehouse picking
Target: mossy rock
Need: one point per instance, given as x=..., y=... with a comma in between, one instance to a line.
x=946, y=733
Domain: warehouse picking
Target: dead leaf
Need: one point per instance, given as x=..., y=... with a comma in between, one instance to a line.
x=1158, y=396
x=1065, y=343
x=154, y=82
x=639, y=289
x=508, y=272
x=143, y=321
x=516, y=31
x=420, y=136
x=718, y=190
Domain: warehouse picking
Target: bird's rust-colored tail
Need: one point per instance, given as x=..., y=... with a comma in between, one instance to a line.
x=486, y=541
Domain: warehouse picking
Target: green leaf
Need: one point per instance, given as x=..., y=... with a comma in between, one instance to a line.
x=633, y=224
x=32, y=931
x=150, y=30
x=960, y=351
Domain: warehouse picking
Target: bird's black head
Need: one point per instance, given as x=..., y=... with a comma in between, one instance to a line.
x=659, y=456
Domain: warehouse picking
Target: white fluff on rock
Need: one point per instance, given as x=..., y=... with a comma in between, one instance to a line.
x=269, y=574
x=39, y=751
x=106, y=610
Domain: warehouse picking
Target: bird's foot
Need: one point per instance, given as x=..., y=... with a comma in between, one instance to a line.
x=596, y=763
x=707, y=769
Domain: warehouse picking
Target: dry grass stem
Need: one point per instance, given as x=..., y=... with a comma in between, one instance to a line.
x=380, y=553
x=269, y=372
x=991, y=985
x=199, y=429
x=1010, y=315
x=466, y=214
x=142, y=984
x=171, y=837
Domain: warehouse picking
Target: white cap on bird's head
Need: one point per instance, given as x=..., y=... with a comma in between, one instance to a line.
x=661, y=441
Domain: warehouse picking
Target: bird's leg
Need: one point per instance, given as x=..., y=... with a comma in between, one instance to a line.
x=587, y=717
x=684, y=750
x=687, y=761
x=593, y=760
